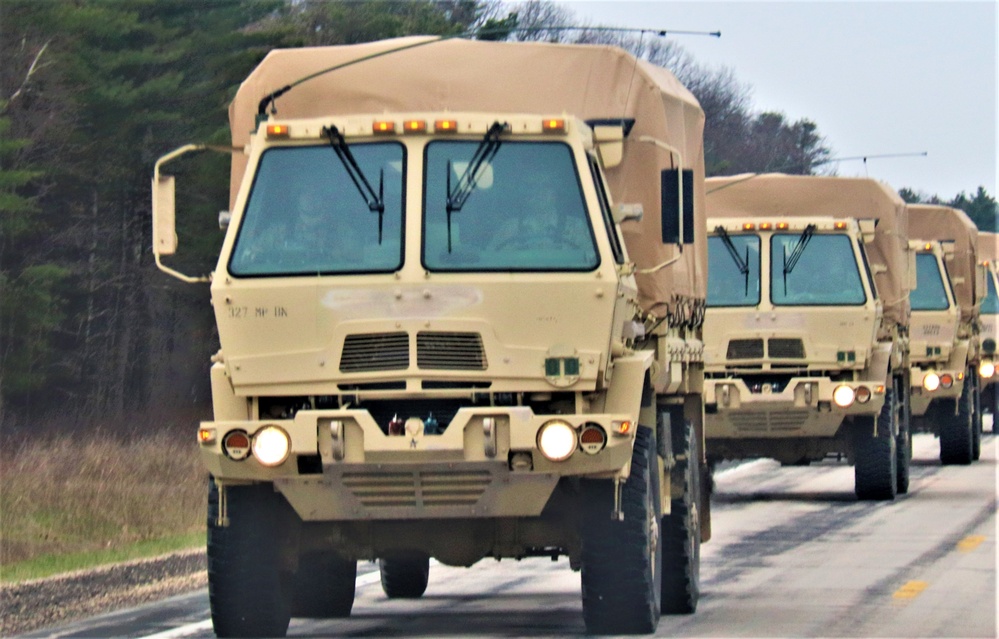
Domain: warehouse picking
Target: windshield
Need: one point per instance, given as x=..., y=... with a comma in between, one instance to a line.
x=929, y=294
x=305, y=216
x=525, y=211
x=990, y=305
x=824, y=272
x=727, y=284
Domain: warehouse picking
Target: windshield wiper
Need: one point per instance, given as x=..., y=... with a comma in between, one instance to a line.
x=790, y=261
x=375, y=201
x=741, y=263
x=484, y=154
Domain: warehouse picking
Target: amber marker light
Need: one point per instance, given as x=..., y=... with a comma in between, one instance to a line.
x=783, y=226
x=621, y=427
x=278, y=131
x=383, y=126
x=765, y=226
x=927, y=246
x=206, y=435
x=445, y=126
x=748, y=226
x=839, y=226
x=414, y=126
x=553, y=125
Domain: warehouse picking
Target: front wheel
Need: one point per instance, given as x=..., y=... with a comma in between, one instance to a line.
x=682, y=527
x=246, y=584
x=620, y=576
x=876, y=457
x=957, y=437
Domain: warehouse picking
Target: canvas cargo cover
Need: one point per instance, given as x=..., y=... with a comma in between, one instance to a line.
x=585, y=81
x=777, y=195
x=988, y=247
x=935, y=222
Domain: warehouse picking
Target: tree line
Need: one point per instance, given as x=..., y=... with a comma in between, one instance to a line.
x=93, y=91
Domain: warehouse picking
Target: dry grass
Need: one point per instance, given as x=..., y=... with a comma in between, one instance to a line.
x=87, y=492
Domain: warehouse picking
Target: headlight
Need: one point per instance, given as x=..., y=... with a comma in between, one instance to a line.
x=843, y=396
x=931, y=382
x=557, y=440
x=271, y=446
x=986, y=369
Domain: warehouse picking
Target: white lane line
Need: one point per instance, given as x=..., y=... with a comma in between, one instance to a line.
x=201, y=626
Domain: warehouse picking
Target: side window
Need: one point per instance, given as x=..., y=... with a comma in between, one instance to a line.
x=605, y=213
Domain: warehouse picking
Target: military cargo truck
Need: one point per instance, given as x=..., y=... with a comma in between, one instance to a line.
x=459, y=302
x=946, y=396
x=806, y=350
x=988, y=255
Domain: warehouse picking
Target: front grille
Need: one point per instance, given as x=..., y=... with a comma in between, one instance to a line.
x=375, y=352
x=420, y=489
x=450, y=351
x=767, y=422
x=782, y=348
x=745, y=349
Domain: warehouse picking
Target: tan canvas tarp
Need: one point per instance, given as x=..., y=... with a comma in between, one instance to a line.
x=988, y=247
x=585, y=81
x=776, y=195
x=933, y=222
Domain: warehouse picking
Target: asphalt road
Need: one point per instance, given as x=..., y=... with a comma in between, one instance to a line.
x=794, y=554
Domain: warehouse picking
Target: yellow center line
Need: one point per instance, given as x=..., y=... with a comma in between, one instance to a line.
x=911, y=590
x=970, y=542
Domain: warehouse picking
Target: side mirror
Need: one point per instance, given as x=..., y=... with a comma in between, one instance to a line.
x=224, y=218
x=981, y=282
x=164, y=226
x=628, y=212
x=677, y=189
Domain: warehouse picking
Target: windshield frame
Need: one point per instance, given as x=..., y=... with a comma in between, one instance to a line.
x=349, y=193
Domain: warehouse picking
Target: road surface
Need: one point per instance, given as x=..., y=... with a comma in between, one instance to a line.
x=794, y=554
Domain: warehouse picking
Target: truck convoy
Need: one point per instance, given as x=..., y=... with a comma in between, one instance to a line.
x=806, y=333
x=459, y=302
x=988, y=255
x=946, y=396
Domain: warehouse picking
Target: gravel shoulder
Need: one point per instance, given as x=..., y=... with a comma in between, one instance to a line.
x=39, y=603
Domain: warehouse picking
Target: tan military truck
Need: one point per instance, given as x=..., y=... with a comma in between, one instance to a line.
x=459, y=302
x=943, y=330
x=806, y=351
x=988, y=255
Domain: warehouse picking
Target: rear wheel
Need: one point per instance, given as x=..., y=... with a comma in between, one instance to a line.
x=956, y=432
x=876, y=470
x=324, y=585
x=620, y=576
x=404, y=578
x=682, y=527
x=246, y=585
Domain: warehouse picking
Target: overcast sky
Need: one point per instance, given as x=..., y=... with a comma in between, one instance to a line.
x=876, y=77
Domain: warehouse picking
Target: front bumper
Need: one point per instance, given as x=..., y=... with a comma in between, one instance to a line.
x=920, y=398
x=342, y=466
x=804, y=408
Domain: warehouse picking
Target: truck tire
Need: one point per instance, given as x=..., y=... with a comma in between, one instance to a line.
x=404, y=578
x=246, y=587
x=324, y=585
x=976, y=414
x=956, y=432
x=682, y=529
x=903, y=445
x=876, y=458
x=621, y=560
